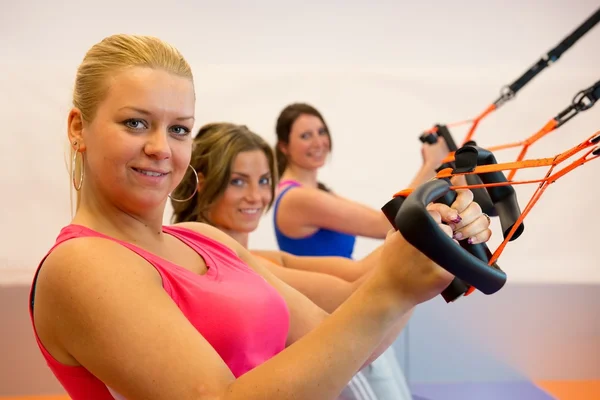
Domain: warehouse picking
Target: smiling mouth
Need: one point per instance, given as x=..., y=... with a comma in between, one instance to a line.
x=250, y=211
x=150, y=173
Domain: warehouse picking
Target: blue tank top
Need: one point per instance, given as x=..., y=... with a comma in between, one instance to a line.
x=323, y=242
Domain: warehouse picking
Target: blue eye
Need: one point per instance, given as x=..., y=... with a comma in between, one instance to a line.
x=135, y=124
x=181, y=130
x=265, y=181
x=236, y=182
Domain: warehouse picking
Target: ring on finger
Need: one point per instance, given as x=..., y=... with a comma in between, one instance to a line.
x=488, y=218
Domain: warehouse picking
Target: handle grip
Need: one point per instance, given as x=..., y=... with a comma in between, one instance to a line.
x=504, y=198
x=480, y=194
x=411, y=218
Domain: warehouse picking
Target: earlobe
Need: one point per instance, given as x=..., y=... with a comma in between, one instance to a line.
x=200, y=181
x=281, y=146
x=75, y=129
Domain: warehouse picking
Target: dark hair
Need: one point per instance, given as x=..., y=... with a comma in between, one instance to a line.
x=283, y=127
x=215, y=147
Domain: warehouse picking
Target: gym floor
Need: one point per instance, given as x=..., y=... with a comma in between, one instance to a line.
x=558, y=390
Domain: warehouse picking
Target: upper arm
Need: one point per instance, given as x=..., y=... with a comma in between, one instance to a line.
x=307, y=207
x=304, y=314
x=106, y=308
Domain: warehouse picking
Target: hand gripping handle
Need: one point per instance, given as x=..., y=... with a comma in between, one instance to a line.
x=481, y=195
x=457, y=287
x=410, y=216
x=504, y=198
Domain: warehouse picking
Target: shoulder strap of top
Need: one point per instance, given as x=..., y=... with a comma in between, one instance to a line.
x=290, y=182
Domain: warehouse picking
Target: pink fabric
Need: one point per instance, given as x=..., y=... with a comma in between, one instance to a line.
x=288, y=182
x=234, y=308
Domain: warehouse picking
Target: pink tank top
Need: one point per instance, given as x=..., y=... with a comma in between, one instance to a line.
x=235, y=309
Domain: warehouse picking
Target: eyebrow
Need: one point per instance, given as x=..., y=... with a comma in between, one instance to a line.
x=248, y=176
x=145, y=112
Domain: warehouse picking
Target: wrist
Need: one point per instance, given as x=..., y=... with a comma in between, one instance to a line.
x=389, y=296
x=429, y=166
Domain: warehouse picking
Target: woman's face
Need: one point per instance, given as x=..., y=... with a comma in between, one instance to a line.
x=309, y=143
x=247, y=195
x=138, y=146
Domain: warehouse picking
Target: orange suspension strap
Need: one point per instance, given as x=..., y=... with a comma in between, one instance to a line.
x=583, y=100
x=494, y=192
x=473, y=265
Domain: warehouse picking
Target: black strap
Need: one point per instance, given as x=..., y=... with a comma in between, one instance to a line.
x=552, y=56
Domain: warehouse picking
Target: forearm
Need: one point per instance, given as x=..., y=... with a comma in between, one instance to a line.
x=343, y=268
x=424, y=174
x=323, y=361
x=398, y=326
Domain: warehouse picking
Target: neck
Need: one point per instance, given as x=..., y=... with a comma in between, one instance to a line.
x=103, y=216
x=305, y=176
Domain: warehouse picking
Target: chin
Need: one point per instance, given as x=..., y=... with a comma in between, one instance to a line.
x=148, y=201
x=248, y=228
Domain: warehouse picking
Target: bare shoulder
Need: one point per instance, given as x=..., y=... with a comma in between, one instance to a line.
x=213, y=233
x=100, y=305
x=302, y=194
x=75, y=278
x=277, y=254
x=80, y=261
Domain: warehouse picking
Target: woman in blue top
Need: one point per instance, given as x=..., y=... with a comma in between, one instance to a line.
x=309, y=219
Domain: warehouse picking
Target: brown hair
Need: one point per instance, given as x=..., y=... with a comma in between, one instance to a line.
x=215, y=147
x=283, y=127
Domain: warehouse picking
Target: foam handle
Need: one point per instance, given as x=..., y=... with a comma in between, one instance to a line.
x=420, y=230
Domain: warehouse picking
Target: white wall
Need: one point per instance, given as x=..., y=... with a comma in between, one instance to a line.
x=380, y=72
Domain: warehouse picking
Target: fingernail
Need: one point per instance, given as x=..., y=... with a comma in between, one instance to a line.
x=471, y=240
x=456, y=219
x=452, y=226
x=458, y=236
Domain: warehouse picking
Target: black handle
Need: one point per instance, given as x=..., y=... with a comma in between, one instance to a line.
x=443, y=131
x=420, y=230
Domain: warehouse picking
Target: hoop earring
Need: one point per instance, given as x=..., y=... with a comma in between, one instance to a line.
x=195, y=188
x=73, y=166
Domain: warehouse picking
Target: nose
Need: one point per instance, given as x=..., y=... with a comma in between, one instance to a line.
x=324, y=140
x=157, y=145
x=253, y=194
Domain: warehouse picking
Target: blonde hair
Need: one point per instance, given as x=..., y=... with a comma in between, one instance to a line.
x=108, y=57
x=215, y=148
